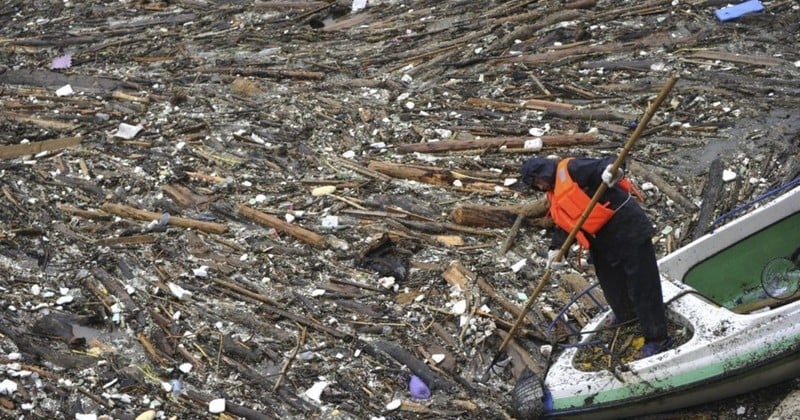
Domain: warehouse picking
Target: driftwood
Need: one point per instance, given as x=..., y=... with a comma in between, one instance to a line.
x=15, y=150
x=269, y=220
x=404, y=357
x=496, y=142
x=134, y=213
x=665, y=39
x=521, y=357
x=512, y=234
x=509, y=106
x=588, y=114
x=752, y=59
x=436, y=176
x=711, y=193
x=501, y=216
x=648, y=173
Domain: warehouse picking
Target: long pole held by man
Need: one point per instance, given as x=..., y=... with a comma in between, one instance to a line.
x=601, y=189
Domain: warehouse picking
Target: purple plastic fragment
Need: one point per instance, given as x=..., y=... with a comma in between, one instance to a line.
x=738, y=10
x=63, y=62
x=418, y=389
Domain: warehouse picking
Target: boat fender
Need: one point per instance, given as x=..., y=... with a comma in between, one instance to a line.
x=527, y=398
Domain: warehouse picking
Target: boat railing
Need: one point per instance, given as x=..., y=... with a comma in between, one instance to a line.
x=776, y=191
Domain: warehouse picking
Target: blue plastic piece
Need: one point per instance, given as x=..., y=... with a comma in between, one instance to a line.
x=738, y=10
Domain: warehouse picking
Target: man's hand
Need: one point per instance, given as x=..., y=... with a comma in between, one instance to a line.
x=610, y=180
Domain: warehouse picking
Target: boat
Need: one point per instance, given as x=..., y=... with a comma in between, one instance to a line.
x=734, y=292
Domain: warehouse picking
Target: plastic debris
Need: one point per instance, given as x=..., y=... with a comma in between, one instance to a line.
x=418, y=388
x=330, y=222
x=323, y=190
x=202, y=271
x=177, y=386
x=387, y=282
x=359, y=5
x=63, y=300
x=147, y=415
x=539, y=131
x=65, y=90
x=315, y=392
x=518, y=265
x=62, y=62
x=178, y=291
x=127, y=131
x=738, y=10
x=459, y=308
x=728, y=175
x=8, y=387
x=394, y=404
x=545, y=350
x=534, y=144
x=216, y=406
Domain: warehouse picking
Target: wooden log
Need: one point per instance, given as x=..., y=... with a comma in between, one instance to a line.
x=418, y=367
x=38, y=121
x=185, y=197
x=16, y=150
x=115, y=288
x=86, y=214
x=276, y=223
x=754, y=59
x=496, y=142
x=580, y=4
x=134, y=213
x=500, y=216
x=127, y=240
x=648, y=173
x=458, y=275
x=510, y=106
x=436, y=176
x=521, y=357
x=711, y=192
x=588, y=114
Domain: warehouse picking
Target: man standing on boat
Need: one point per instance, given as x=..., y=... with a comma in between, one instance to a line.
x=617, y=233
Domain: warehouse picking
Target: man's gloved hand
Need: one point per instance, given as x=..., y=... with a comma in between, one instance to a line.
x=551, y=256
x=610, y=180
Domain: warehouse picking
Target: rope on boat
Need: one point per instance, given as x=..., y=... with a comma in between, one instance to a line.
x=750, y=203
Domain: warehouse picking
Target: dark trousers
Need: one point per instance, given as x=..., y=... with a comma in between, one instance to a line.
x=632, y=287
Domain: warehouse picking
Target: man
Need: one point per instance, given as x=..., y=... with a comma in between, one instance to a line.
x=617, y=233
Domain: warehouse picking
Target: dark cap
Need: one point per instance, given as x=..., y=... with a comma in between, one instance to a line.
x=537, y=168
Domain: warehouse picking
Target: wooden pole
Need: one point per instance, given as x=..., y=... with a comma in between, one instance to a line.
x=600, y=191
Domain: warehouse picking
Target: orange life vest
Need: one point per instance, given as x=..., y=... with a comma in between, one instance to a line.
x=568, y=201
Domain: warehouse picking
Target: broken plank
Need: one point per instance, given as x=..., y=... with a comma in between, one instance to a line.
x=41, y=122
x=16, y=150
